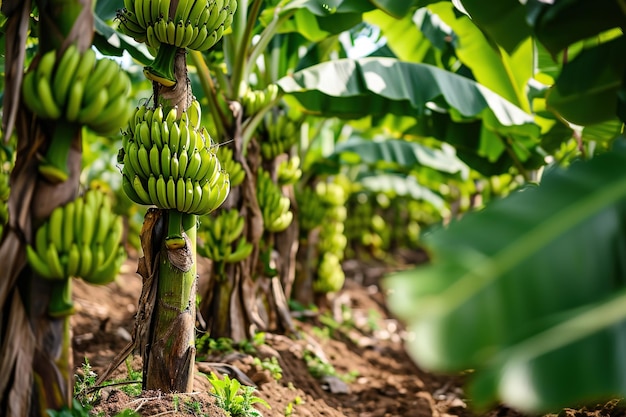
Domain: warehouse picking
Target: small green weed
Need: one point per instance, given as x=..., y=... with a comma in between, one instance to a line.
x=319, y=368
x=272, y=365
x=234, y=398
x=223, y=345
x=290, y=408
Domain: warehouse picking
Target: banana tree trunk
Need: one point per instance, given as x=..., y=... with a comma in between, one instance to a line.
x=35, y=351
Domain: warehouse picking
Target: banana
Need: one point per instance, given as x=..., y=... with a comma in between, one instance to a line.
x=155, y=135
x=39, y=265
x=29, y=93
x=166, y=156
x=161, y=189
x=174, y=139
x=141, y=191
x=209, y=166
x=107, y=272
x=187, y=35
x=103, y=73
x=179, y=33
x=127, y=186
x=154, y=11
x=133, y=157
x=181, y=194
x=73, y=260
x=144, y=133
x=195, y=114
x=152, y=192
x=105, y=220
x=64, y=73
x=86, y=65
x=45, y=96
x=172, y=201
x=55, y=227
x=144, y=160
x=174, y=166
x=242, y=251
x=54, y=263
x=68, y=226
x=151, y=38
x=164, y=9
x=131, y=28
x=94, y=108
x=203, y=34
x=194, y=165
x=120, y=84
x=198, y=196
x=113, y=117
x=86, y=261
x=171, y=32
x=195, y=11
x=41, y=239
x=160, y=30
x=183, y=160
x=212, y=39
x=185, y=139
x=139, y=5
x=189, y=194
x=155, y=160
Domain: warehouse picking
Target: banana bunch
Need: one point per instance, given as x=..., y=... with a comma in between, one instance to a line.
x=167, y=163
x=195, y=24
x=234, y=168
x=282, y=134
x=331, y=193
x=330, y=275
x=254, y=100
x=81, y=239
x=79, y=89
x=332, y=240
x=274, y=206
x=289, y=171
x=219, y=234
x=311, y=209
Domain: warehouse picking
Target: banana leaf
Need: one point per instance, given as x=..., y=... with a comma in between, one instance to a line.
x=402, y=186
x=529, y=293
x=399, y=154
x=586, y=91
x=112, y=43
x=351, y=88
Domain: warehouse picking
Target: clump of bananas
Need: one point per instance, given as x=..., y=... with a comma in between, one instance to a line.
x=274, y=206
x=221, y=237
x=289, y=171
x=81, y=239
x=254, y=100
x=330, y=275
x=282, y=134
x=77, y=90
x=167, y=163
x=323, y=207
x=194, y=24
x=234, y=168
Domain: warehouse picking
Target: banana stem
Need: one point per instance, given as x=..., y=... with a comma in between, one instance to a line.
x=162, y=68
x=61, y=304
x=174, y=238
x=54, y=166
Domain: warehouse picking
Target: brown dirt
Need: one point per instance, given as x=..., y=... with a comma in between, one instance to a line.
x=368, y=347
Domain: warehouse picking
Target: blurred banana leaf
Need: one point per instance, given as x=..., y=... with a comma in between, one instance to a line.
x=529, y=293
x=401, y=186
x=586, y=91
x=398, y=154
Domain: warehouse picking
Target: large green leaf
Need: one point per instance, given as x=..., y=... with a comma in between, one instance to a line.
x=317, y=19
x=396, y=8
x=405, y=40
x=586, y=90
x=375, y=86
x=392, y=153
x=505, y=74
x=402, y=186
x=503, y=20
x=561, y=23
x=113, y=43
x=530, y=292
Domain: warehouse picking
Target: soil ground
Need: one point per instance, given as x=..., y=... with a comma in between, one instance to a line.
x=372, y=377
